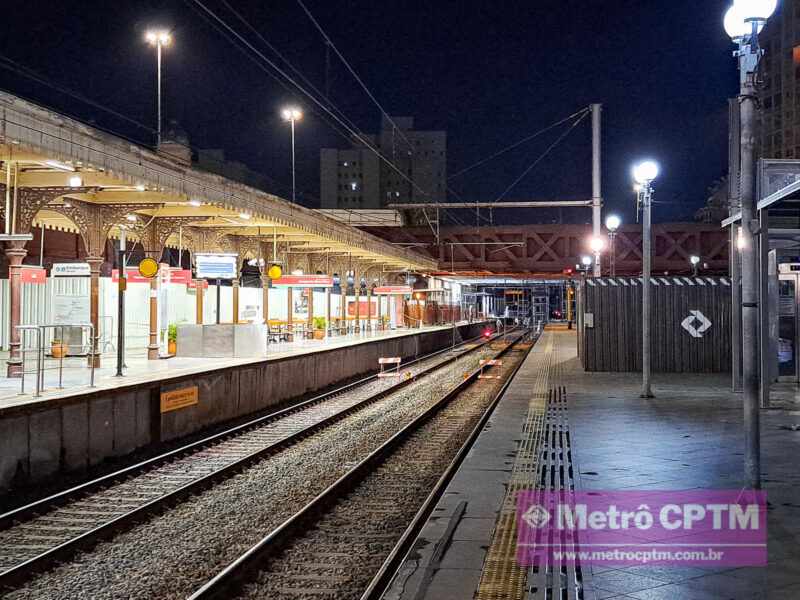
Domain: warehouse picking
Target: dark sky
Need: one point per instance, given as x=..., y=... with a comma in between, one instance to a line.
x=489, y=73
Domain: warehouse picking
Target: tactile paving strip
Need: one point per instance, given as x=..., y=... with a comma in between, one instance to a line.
x=502, y=578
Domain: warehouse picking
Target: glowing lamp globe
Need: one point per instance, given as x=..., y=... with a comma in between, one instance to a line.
x=613, y=222
x=753, y=10
x=597, y=244
x=645, y=172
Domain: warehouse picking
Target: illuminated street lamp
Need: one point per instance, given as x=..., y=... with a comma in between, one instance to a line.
x=292, y=114
x=644, y=173
x=743, y=22
x=597, y=245
x=158, y=38
x=612, y=224
x=694, y=261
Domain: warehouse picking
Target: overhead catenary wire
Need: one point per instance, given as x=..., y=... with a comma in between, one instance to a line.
x=308, y=94
x=542, y=156
x=352, y=71
x=519, y=143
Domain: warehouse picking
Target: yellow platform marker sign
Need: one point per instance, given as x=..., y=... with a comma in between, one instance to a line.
x=177, y=399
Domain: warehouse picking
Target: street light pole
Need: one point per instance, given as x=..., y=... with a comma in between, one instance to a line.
x=743, y=22
x=159, y=39
x=597, y=199
x=294, y=179
x=292, y=114
x=612, y=224
x=644, y=174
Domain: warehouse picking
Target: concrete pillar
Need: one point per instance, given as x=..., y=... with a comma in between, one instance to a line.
x=199, y=297
x=94, y=307
x=15, y=253
x=235, y=286
x=152, y=342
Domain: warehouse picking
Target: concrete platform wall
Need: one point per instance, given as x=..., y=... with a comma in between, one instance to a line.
x=55, y=436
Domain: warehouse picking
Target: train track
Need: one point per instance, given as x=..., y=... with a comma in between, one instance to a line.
x=37, y=535
x=347, y=542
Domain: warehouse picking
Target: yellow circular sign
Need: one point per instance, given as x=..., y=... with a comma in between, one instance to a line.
x=274, y=272
x=148, y=268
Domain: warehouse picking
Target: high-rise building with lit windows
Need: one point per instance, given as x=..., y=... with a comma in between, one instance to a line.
x=779, y=91
x=357, y=178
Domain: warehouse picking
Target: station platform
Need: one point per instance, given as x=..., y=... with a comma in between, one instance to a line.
x=688, y=437
x=70, y=430
x=138, y=369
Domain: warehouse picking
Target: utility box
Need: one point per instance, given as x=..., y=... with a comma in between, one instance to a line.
x=690, y=324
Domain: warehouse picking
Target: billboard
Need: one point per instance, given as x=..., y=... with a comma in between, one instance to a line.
x=217, y=266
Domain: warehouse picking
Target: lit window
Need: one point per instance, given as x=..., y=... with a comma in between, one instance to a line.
x=354, y=186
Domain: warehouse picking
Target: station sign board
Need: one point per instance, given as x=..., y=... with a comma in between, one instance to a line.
x=388, y=290
x=178, y=399
x=34, y=275
x=217, y=266
x=77, y=269
x=304, y=281
x=179, y=276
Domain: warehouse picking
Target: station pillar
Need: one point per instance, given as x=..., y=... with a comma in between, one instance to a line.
x=199, y=291
x=152, y=342
x=369, y=309
x=235, y=290
x=310, y=292
x=358, y=307
x=15, y=252
x=94, y=308
x=289, y=307
x=265, y=301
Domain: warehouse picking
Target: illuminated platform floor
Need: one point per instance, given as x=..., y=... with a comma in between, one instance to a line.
x=689, y=436
x=76, y=374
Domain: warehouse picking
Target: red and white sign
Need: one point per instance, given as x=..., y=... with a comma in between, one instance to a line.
x=131, y=274
x=180, y=276
x=307, y=281
x=34, y=275
x=388, y=290
x=192, y=284
x=394, y=360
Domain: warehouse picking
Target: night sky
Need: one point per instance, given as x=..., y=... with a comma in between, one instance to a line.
x=489, y=73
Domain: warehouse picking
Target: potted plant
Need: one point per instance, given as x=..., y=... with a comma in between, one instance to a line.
x=319, y=327
x=58, y=349
x=172, y=339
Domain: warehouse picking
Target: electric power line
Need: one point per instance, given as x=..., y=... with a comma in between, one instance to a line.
x=542, y=156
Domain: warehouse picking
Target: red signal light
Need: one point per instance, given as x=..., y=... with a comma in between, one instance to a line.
x=487, y=333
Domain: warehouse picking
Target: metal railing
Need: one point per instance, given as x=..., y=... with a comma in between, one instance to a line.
x=41, y=336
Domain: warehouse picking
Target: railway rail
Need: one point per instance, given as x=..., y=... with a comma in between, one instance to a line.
x=35, y=536
x=348, y=541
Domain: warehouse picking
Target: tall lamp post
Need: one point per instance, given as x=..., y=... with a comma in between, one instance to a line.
x=292, y=114
x=158, y=38
x=597, y=244
x=694, y=260
x=644, y=174
x=743, y=22
x=612, y=224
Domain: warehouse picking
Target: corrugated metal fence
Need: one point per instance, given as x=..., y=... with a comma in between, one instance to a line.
x=690, y=326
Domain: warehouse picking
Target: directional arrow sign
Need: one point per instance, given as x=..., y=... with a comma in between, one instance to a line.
x=690, y=324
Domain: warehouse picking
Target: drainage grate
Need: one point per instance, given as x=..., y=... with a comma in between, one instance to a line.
x=556, y=580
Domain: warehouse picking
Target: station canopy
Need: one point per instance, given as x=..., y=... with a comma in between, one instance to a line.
x=41, y=149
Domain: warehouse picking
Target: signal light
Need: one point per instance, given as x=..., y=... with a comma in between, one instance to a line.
x=487, y=333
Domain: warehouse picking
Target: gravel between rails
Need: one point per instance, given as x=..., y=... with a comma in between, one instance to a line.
x=175, y=553
x=33, y=536
x=339, y=555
